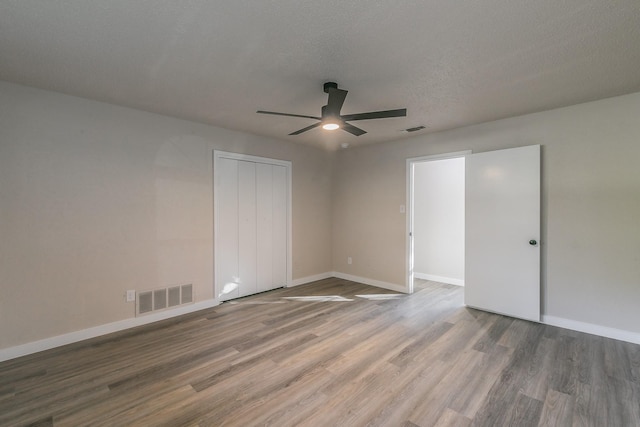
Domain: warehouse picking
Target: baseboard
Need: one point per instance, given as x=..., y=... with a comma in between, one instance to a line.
x=309, y=279
x=440, y=279
x=60, y=340
x=72, y=337
x=590, y=328
x=371, y=282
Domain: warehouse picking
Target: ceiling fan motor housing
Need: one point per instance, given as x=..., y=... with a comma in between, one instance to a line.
x=329, y=85
x=326, y=114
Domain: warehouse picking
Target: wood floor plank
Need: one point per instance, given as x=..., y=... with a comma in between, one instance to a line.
x=359, y=398
x=433, y=405
x=290, y=405
x=220, y=401
x=504, y=398
x=557, y=409
x=583, y=411
x=526, y=412
x=411, y=360
x=413, y=386
x=541, y=369
x=489, y=342
x=514, y=334
x=423, y=340
x=128, y=399
x=565, y=368
x=471, y=389
x=246, y=363
x=451, y=418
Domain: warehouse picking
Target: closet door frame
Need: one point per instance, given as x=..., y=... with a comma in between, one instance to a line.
x=217, y=155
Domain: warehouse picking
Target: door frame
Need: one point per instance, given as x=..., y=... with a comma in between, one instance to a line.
x=411, y=162
x=219, y=154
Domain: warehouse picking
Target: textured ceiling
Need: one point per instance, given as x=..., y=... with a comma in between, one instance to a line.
x=451, y=63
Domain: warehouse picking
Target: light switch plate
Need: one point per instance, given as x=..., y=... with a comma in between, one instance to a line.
x=131, y=296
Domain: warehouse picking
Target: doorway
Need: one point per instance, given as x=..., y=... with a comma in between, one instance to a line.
x=435, y=220
x=501, y=228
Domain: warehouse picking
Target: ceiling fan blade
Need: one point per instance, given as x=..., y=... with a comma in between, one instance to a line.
x=287, y=114
x=352, y=129
x=402, y=112
x=336, y=99
x=298, y=132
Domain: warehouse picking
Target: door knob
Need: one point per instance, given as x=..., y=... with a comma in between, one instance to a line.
x=533, y=242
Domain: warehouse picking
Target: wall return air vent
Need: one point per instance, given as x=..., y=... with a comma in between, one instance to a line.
x=163, y=299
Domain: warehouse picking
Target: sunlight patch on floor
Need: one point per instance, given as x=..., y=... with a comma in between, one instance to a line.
x=380, y=297
x=319, y=298
x=256, y=302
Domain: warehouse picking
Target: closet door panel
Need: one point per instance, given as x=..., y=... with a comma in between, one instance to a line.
x=264, y=193
x=227, y=238
x=279, y=227
x=247, y=227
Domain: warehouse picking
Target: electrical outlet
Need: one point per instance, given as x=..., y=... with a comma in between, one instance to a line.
x=131, y=296
x=349, y=260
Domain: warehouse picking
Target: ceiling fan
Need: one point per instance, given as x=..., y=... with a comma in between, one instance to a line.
x=331, y=119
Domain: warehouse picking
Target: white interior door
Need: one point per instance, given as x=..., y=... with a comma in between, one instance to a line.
x=502, y=222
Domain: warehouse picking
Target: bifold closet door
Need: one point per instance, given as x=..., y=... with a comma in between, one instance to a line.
x=252, y=226
x=264, y=266
x=271, y=194
x=227, y=232
x=247, y=231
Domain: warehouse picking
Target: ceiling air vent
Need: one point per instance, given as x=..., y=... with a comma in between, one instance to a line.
x=414, y=129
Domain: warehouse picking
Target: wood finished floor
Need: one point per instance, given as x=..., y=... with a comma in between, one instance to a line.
x=413, y=360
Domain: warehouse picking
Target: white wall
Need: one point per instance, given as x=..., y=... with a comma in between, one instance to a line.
x=438, y=221
x=96, y=199
x=590, y=249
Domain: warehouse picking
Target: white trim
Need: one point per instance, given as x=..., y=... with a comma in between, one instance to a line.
x=444, y=156
x=409, y=275
x=590, y=328
x=309, y=279
x=370, y=282
x=409, y=201
x=249, y=158
x=289, y=169
x=441, y=279
x=73, y=337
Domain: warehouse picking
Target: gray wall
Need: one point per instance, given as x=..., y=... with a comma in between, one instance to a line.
x=590, y=205
x=96, y=199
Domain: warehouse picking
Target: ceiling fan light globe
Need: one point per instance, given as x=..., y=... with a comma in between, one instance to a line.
x=330, y=126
